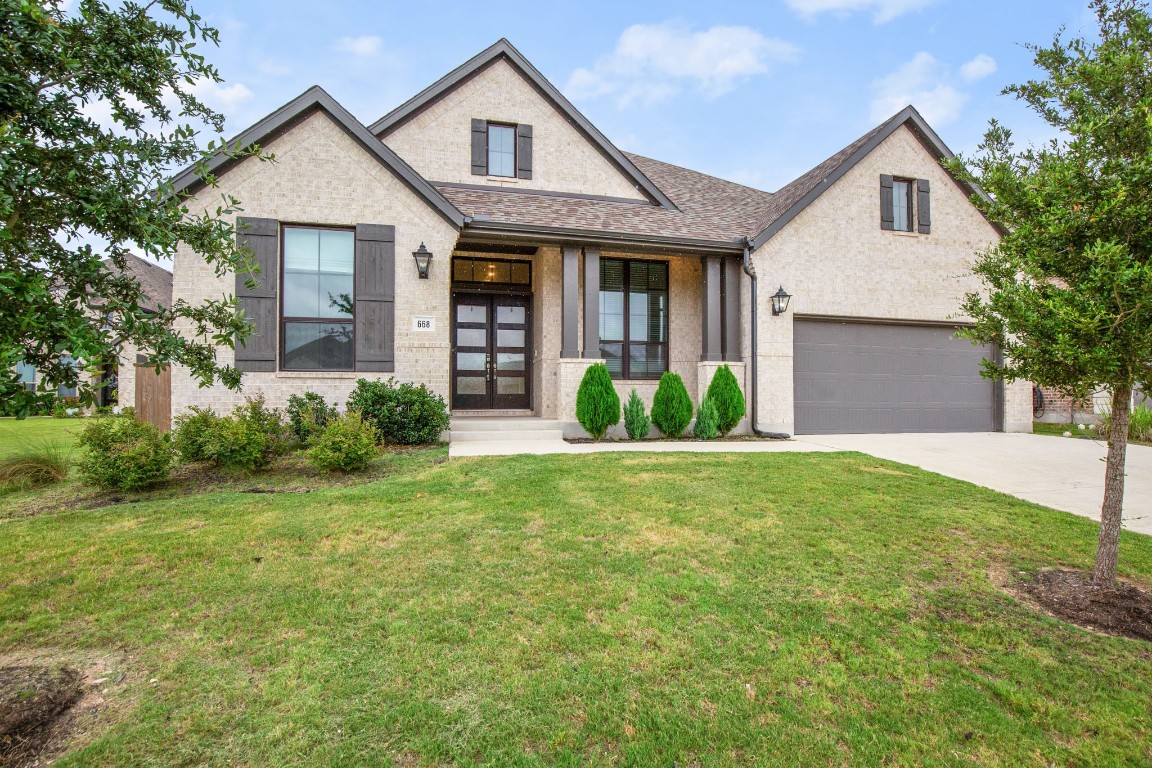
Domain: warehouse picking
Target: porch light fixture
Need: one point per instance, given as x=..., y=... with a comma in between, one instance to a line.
x=423, y=261
x=780, y=301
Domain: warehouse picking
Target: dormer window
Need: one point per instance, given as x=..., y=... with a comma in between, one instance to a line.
x=501, y=149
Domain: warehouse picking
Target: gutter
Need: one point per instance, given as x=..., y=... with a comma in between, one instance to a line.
x=561, y=235
x=751, y=272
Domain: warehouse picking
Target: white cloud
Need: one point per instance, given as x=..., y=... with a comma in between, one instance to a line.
x=651, y=62
x=978, y=68
x=883, y=10
x=924, y=83
x=225, y=98
x=364, y=45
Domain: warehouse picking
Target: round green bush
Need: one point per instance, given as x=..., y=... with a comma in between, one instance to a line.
x=194, y=434
x=671, y=406
x=308, y=414
x=597, y=404
x=636, y=421
x=725, y=394
x=240, y=443
x=124, y=454
x=404, y=414
x=346, y=444
x=706, y=420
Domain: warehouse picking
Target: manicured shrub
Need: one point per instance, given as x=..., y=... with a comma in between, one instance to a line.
x=194, y=434
x=725, y=394
x=239, y=443
x=671, y=406
x=345, y=444
x=125, y=454
x=597, y=404
x=404, y=414
x=308, y=414
x=706, y=420
x=35, y=465
x=267, y=420
x=636, y=421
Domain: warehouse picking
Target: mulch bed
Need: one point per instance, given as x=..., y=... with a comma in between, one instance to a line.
x=32, y=701
x=1070, y=595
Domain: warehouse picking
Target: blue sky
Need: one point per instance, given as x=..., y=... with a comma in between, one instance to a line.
x=756, y=92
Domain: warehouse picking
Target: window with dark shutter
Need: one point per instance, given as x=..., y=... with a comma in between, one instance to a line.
x=886, y=202
x=501, y=150
x=258, y=301
x=375, y=297
x=923, y=207
x=479, y=147
x=523, y=151
x=317, y=308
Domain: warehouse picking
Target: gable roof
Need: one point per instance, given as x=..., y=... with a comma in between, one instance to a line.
x=794, y=197
x=312, y=100
x=502, y=49
x=155, y=281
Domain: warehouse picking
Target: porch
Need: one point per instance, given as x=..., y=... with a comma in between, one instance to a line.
x=526, y=321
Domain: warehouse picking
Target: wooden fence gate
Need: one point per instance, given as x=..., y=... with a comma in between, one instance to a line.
x=154, y=396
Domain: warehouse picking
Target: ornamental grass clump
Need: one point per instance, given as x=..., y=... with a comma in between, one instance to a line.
x=35, y=466
x=706, y=420
x=597, y=404
x=636, y=421
x=725, y=394
x=671, y=406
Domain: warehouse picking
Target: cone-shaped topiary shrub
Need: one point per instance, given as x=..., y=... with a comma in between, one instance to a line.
x=706, y=419
x=597, y=404
x=725, y=394
x=636, y=421
x=671, y=406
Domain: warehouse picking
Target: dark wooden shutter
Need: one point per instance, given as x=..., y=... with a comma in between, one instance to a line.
x=375, y=315
x=523, y=151
x=261, y=237
x=886, y=218
x=479, y=147
x=923, y=206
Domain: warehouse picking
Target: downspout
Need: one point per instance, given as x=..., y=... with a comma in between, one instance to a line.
x=751, y=272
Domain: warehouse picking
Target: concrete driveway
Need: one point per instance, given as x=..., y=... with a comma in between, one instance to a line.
x=1062, y=473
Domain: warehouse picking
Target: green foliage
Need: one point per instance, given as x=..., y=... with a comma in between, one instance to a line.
x=725, y=394
x=346, y=444
x=267, y=420
x=125, y=454
x=671, y=406
x=308, y=414
x=35, y=465
x=237, y=443
x=1139, y=424
x=636, y=421
x=707, y=418
x=194, y=434
x=69, y=179
x=597, y=404
x=404, y=414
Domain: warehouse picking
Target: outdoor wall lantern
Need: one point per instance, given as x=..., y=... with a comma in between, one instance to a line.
x=423, y=261
x=780, y=301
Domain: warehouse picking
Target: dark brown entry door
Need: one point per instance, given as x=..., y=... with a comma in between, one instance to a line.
x=491, y=352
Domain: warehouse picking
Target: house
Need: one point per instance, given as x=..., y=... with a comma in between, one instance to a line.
x=486, y=239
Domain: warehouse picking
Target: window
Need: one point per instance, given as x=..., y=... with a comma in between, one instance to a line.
x=501, y=150
x=902, y=205
x=26, y=373
x=318, y=299
x=634, y=318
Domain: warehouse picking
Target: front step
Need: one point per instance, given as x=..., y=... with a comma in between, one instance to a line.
x=489, y=429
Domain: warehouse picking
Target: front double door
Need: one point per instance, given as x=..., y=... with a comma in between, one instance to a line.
x=491, y=351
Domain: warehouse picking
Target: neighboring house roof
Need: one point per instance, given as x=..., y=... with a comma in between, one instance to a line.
x=502, y=49
x=155, y=281
x=307, y=103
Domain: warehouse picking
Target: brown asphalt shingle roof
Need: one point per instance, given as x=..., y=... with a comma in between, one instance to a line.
x=155, y=281
x=710, y=209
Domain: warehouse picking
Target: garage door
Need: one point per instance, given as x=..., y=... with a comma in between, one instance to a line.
x=869, y=377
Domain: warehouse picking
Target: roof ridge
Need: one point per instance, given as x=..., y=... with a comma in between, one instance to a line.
x=698, y=173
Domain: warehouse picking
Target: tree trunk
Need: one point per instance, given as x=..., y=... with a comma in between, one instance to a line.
x=1108, y=546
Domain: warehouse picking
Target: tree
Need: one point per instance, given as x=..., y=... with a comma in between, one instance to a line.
x=67, y=181
x=1069, y=286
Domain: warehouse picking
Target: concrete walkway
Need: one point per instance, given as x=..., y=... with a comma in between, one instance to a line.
x=1062, y=473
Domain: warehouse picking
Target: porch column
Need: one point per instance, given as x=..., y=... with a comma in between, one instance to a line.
x=591, y=302
x=710, y=313
x=570, y=303
x=731, y=302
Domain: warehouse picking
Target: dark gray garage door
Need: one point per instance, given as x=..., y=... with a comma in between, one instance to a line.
x=872, y=377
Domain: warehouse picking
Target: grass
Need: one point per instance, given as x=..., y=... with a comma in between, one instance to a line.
x=15, y=435
x=602, y=610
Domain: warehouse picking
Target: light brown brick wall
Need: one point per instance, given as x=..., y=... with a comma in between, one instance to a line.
x=438, y=141
x=835, y=260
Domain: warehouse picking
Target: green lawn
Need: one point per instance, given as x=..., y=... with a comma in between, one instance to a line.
x=600, y=610
x=15, y=435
